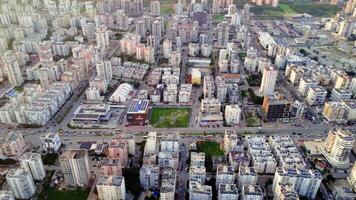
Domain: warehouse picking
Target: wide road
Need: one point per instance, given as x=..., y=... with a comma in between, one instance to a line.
x=101, y=135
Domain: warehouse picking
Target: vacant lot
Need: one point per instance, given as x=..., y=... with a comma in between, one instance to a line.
x=210, y=148
x=170, y=117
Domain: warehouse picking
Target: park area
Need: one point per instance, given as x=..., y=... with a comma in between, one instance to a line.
x=170, y=117
x=210, y=148
x=301, y=7
x=54, y=194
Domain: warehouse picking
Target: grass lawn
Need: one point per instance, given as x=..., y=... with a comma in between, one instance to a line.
x=77, y=194
x=167, y=10
x=218, y=17
x=252, y=120
x=286, y=9
x=210, y=148
x=170, y=117
x=315, y=9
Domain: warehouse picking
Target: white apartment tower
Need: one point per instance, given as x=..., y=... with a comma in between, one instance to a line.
x=32, y=162
x=232, y=114
x=104, y=70
x=352, y=178
x=155, y=8
x=337, y=147
x=75, y=167
x=111, y=188
x=13, y=69
x=102, y=37
x=21, y=183
x=269, y=79
x=223, y=34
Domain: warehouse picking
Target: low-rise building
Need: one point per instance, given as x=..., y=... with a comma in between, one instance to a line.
x=137, y=111
x=50, y=142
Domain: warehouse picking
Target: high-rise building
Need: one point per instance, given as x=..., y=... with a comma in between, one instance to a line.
x=102, y=37
x=228, y=192
x=111, y=188
x=337, y=147
x=276, y=107
x=155, y=8
x=45, y=53
x=32, y=162
x=12, y=145
x=350, y=6
x=167, y=48
x=6, y=195
x=246, y=176
x=223, y=34
x=305, y=182
x=198, y=191
x=157, y=29
x=269, y=79
x=352, y=177
x=13, y=69
x=285, y=191
x=122, y=20
x=225, y=175
x=208, y=87
x=251, y=192
x=21, y=183
x=149, y=177
x=221, y=88
x=75, y=167
x=334, y=111
x=232, y=114
x=140, y=28
x=104, y=70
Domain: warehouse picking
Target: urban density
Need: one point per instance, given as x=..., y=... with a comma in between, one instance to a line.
x=177, y=99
